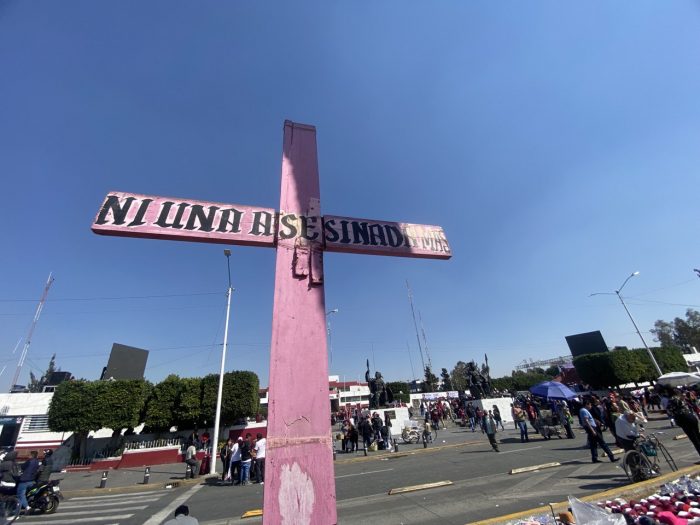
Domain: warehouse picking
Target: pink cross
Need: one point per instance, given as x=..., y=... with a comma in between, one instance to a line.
x=299, y=484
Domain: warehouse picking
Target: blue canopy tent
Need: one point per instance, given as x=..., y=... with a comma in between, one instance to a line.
x=553, y=390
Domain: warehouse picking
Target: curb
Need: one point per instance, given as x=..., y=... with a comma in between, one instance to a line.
x=139, y=487
x=534, y=467
x=626, y=491
x=424, y=486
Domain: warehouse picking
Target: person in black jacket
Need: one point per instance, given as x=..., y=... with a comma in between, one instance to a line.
x=9, y=473
x=684, y=417
x=46, y=467
x=30, y=469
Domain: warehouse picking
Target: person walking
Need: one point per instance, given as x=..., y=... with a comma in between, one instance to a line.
x=471, y=415
x=246, y=459
x=684, y=417
x=490, y=428
x=234, y=468
x=260, y=446
x=520, y=418
x=497, y=416
x=191, y=460
x=387, y=424
x=595, y=434
x=226, y=452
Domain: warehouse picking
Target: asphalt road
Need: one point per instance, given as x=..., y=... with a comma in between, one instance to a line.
x=481, y=484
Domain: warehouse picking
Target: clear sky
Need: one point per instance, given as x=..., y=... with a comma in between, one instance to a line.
x=557, y=144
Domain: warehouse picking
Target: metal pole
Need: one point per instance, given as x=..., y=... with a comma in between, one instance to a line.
x=217, y=421
x=651, y=355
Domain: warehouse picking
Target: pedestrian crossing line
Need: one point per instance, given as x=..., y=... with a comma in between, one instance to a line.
x=584, y=470
x=532, y=480
x=48, y=519
x=100, y=504
x=97, y=511
x=112, y=496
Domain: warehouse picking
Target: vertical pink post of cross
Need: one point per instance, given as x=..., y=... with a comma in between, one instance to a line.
x=300, y=487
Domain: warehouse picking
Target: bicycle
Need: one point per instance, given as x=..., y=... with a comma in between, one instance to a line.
x=642, y=462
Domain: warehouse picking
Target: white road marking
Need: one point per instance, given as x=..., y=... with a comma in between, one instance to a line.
x=96, y=511
x=47, y=519
x=364, y=473
x=135, y=495
x=519, y=450
x=159, y=517
x=101, y=504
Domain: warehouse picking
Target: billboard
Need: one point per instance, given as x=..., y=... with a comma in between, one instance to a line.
x=125, y=362
x=586, y=343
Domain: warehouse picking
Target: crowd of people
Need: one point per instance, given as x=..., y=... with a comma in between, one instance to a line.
x=621, y=415
x=244, y=460
x=374, y=431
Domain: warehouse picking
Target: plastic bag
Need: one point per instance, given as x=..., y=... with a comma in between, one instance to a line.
x=590, y=514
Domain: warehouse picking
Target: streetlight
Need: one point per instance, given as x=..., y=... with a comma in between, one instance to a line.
x=328, y=329
x=219, y=396
x=619, y=296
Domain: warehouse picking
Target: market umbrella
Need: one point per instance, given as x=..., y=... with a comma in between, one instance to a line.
x=679, y=379
x=553, y=390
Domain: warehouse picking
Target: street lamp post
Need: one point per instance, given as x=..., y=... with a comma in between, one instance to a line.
x=219, y=396
x=328, y=328
x=619, y=296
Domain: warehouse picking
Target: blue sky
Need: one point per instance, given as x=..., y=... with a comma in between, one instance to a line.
x=556, y=144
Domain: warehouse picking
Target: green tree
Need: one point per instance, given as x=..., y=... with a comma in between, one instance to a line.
x=162, y=403
x=121, y=404
x=681, y=333
x=504, y=384
x=552, y=371
x=430, y=383
x=523, y=380
x=459, y=376
x=446, y=381
x=669, y=360
x=188, y=412
x=38, y=384
x=75, y=408
x=401, y=390
x=595, y=370
x=240, y=397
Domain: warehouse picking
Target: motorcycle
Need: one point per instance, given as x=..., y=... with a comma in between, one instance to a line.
x=45, y=496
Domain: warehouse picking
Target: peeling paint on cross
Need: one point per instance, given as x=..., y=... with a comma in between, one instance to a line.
x=299, y=482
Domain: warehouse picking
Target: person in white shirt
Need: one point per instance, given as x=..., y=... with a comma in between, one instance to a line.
x=234, y=467
x=260, y=445
x=627, y=429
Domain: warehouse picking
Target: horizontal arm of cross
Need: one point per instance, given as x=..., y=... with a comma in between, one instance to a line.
x=133, y=215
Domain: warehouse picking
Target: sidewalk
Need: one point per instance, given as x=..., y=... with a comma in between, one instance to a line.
x=126, y=480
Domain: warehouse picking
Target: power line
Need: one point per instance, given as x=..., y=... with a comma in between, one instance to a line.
x=115, y=298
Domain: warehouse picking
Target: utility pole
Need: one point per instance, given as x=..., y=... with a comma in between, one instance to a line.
x=219, y=395
x=28, y=341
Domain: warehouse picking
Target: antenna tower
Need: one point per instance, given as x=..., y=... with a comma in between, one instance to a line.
x=28, y=340
x=415, y=324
